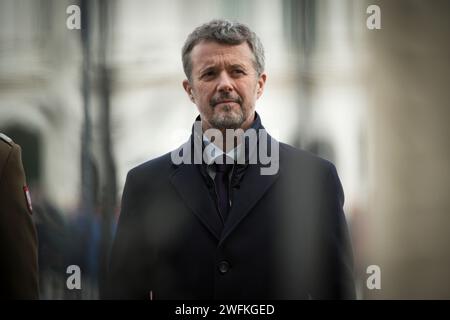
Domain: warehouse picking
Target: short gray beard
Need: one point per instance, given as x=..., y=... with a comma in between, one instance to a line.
x=228, y=120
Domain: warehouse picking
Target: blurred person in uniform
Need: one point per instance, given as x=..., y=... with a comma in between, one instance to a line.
x=228, y=227
x=18, y=239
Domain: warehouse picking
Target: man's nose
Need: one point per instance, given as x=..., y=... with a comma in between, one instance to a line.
x=225, y=82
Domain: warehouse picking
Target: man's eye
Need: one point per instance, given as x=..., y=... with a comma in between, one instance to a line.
x=238, y=71
x=208, y=74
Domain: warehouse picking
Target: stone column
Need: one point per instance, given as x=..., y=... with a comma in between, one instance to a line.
x=408, y=82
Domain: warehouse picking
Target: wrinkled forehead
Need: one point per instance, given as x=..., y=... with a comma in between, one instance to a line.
x=210, y=53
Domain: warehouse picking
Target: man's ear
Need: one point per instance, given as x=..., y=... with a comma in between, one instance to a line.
x=261, y=83
x=188, y=88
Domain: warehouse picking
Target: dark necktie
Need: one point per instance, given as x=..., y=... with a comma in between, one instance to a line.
x=221, y=185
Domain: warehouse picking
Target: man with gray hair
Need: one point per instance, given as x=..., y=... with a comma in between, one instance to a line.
x=233, y=213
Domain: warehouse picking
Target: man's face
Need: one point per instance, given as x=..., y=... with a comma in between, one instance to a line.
x=224, y=84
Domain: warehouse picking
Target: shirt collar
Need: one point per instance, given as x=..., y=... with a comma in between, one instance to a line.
x=214, y=151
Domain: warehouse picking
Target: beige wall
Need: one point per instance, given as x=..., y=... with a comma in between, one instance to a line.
x=407, y=77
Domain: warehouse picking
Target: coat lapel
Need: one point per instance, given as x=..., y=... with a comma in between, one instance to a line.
x=192, y=189
x=252, y=188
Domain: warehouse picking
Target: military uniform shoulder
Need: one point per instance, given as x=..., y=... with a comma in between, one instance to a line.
x=6, y=139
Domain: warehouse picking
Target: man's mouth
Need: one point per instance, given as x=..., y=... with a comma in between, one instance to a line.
x=226, y=101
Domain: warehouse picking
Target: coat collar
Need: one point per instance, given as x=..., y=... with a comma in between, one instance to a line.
x=192, y=187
